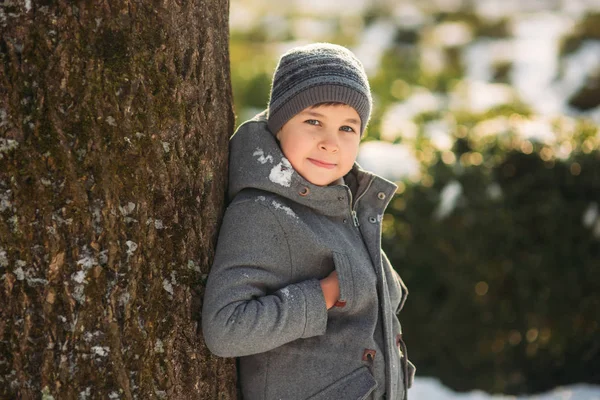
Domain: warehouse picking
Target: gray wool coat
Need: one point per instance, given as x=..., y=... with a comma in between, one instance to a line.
x=263, y=302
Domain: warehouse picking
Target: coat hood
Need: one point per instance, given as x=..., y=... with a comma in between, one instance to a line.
x=257, y=162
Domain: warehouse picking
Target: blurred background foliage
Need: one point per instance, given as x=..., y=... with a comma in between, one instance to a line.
x=487, y=115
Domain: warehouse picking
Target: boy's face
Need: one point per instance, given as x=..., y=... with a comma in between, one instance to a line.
x=322, y=143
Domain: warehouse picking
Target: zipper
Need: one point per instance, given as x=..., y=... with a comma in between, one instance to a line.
x=353, y=208
x=355, y=219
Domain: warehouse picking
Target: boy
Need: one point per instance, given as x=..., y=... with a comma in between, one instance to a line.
x=300, y=290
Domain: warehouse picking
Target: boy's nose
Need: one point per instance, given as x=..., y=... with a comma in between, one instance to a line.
x=329, y=143
x=329, y=146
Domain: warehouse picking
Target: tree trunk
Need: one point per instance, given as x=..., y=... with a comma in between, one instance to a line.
x=114, y=123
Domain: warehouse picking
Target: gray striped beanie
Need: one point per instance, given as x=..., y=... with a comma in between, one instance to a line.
x=318, y=73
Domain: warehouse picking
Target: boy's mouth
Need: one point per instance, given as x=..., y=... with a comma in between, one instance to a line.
x=321, y=164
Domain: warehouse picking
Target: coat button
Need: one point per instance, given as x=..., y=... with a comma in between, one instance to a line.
x=304, y=191
x=381, y=196
x=372, y=220
x=369, y=355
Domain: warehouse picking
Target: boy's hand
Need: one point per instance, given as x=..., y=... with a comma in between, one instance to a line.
x=331, y=289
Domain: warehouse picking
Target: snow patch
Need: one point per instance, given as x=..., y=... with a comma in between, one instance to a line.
x=101, y=351
x=491, y=127
x=127, y=209
x=438, y=131
x=409, y=15
x=84, y=394
x=392, y=161
x=5, y=203
x=61, y=221
x=7, y=145
x=261, y=156
x=536, y=129
x=78, y=293
x=320, y=7
x=3, y=115
x=590, y=215
x=158, y=346
x=288, y=211
x=193, y=266
x=286, y=293
x=124, y=299
x=19, y=274
x=494, y=191
x=87, y=261
x=431, y=388
x=168, y=286
x=375, y=39
x=395, y=125
x=158, y=223
x=89, y=336
x=449, y=197
x=96, y=221
x=103, y=257
x=131, y=247
x=536, y=48
x=27, y=275
x=3, y=258
x=452, y=34
x=281, y=174
x=577, y=69
x=46, y=394
x=313, y=29
x=79, y=276
x=479, y=97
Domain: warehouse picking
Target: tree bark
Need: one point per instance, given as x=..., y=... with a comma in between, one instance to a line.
x=114, y=124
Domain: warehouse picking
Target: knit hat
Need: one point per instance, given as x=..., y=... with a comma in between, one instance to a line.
x=318, y=73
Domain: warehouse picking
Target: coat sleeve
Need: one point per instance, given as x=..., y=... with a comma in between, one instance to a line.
x=250, y=304
x=396, y=286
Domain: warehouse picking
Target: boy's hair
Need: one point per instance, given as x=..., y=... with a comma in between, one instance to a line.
x=328, y=103
x=315, y=74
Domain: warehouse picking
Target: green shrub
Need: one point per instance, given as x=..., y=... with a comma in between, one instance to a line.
x=505, y=289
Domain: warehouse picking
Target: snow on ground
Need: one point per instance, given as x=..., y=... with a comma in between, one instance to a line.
x=432, y=389
x=393, y=161
x=373, y=42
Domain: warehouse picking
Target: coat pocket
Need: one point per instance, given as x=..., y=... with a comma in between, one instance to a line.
x=345, y=278
x=357, y=385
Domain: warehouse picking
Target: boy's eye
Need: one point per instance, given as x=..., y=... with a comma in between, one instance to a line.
x=312, y=122
x=347, y=128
